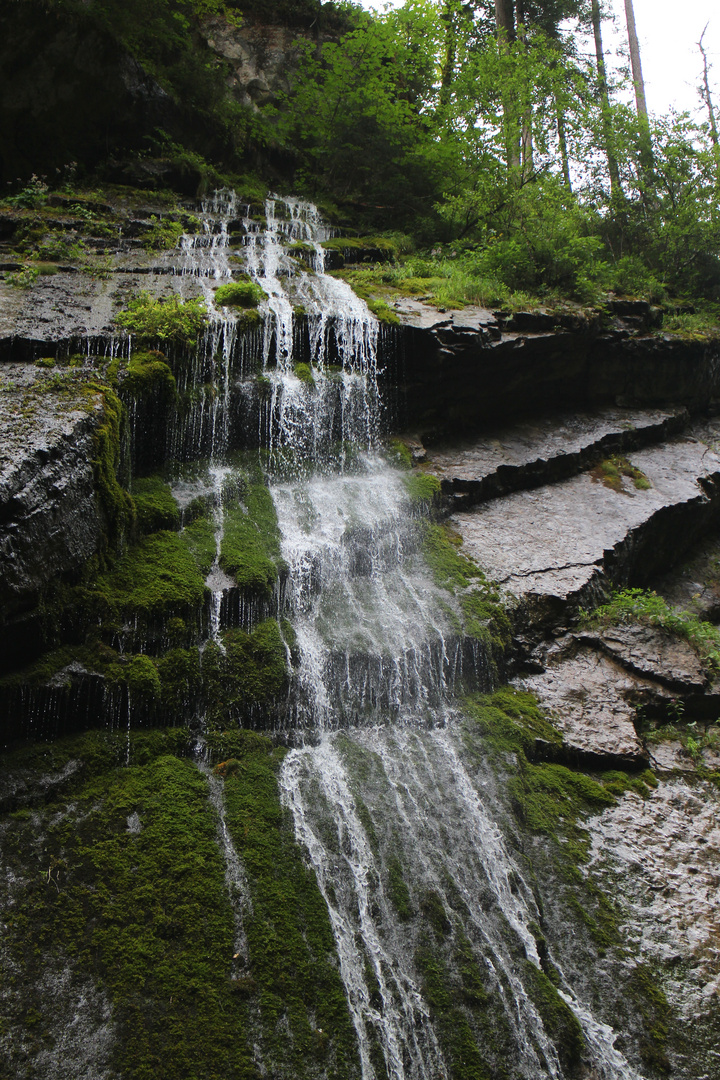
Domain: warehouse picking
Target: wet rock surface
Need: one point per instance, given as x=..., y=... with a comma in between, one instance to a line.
x=49, y=522
x=544, y=449
x=562, y=544
x=661, y=854
x=589, y=699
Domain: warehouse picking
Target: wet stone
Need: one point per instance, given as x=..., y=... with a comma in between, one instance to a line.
x=588, y=698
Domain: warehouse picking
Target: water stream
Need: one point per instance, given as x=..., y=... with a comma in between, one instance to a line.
x=393, y=820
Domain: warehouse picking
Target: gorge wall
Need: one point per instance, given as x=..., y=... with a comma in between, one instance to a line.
x=313, y=766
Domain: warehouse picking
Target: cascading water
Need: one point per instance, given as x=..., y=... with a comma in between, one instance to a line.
x=394, y=821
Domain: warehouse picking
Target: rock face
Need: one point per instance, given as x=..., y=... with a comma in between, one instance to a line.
x=557, y=547
x=661, y=854
x=470, y=368
x=49, y=519
x=545, y=449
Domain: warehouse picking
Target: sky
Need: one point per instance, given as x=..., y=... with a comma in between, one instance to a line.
x=668, y=34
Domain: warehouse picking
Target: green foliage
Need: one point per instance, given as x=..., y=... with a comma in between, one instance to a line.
x=172, y=319
x=163, y=234
x=246, y=294
x=646, y=607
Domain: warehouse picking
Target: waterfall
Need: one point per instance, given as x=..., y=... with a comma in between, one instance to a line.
x=406, y=841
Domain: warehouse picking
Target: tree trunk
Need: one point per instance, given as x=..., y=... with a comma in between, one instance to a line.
x=706, y=92
x=526, y=137
x=506, y=34
x=646, y=157
x=562, y=143
x=447, y=74
x=614, y=172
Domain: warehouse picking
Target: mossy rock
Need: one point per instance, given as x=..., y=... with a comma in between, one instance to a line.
x=155, y=505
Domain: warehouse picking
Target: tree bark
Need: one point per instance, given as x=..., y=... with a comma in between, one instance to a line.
x=613, y=170
x=706, y=92
x=646, y=156
x=505, y=24
x=526, y=136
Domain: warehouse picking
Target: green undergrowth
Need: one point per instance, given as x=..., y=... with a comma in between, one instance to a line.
x=128, y=887
x=483, y=610
x=294, y=978
x=150, y=319
x=613, y=471
x=649, y=609
x=245, y=294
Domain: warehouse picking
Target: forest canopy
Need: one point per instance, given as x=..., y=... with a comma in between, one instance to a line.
x=485, y=131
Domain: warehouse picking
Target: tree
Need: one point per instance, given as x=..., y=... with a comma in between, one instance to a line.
x=639, y=84
x=613, y=170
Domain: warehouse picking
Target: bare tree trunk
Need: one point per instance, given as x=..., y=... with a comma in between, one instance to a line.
x=526, y=137
x=506, y=34
x=562, y=142
x=706, y=92
x=646, y=156
x=447, y=74
x=613, y=170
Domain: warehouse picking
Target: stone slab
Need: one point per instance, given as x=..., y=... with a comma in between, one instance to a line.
x=528, y=453
x=567, y=541
x=586, y=696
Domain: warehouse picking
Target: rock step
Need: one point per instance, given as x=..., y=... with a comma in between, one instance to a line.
x=527, y=454
x=563, y=545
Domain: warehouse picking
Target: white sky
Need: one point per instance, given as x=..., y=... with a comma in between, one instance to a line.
x=668, y=34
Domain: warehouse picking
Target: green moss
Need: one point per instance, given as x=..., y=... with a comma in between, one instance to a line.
x=246, y=294
x=382, y=311
x=656, y=1017
x=252, y=672
x=558, y=1019
x=153, y=580
x=424, y=489
x=250, y=549
x=484, y=613
x=144, y=912
x=399, y=454
x=297, y=986
x=612, y=472
x=509, y=721
x=305, y=373
x=460, y=1044
x=173, y=319
x=148, y=373
x=141, y=676
x=155, y=505
x=398, y=891
x=200, y=540
x=115, y=503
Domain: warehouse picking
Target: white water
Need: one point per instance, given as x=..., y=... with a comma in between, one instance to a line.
x=380, y=657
